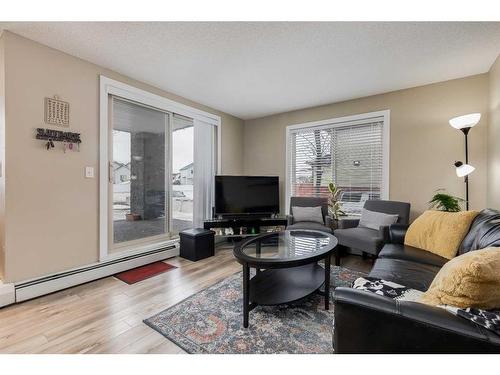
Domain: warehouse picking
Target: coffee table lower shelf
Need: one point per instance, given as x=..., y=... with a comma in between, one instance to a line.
x=285, y=285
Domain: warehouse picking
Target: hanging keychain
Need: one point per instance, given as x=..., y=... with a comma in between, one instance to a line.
x=50, y=144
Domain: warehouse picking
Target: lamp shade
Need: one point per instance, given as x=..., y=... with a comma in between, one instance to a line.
x=465, y=121
x=463, y=169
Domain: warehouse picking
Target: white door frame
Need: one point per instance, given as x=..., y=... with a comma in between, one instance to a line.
x=342, y=121
x=108, y=87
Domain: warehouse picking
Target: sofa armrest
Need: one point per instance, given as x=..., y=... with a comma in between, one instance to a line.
x=348, y=223
x=289, y=220
x=397, y=233
x=369, y=323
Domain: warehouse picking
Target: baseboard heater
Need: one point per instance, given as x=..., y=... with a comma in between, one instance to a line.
x=49, y=284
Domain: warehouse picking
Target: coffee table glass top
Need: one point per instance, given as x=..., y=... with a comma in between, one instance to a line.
x=288, y=245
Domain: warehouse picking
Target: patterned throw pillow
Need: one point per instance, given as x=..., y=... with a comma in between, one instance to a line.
x=375, y=220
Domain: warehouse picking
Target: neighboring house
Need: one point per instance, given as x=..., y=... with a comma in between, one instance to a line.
x=121, y=172
x=121, y=182
x=186, y=174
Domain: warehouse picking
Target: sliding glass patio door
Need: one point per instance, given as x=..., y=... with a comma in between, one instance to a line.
x=158, y=159
x=139, y=175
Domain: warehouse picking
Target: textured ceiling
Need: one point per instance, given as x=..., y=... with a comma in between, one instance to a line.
x=256, y=69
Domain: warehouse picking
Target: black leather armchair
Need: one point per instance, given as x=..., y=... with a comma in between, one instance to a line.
x=369, y=323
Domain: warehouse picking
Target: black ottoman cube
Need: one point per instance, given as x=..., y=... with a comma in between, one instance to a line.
x=197, y=243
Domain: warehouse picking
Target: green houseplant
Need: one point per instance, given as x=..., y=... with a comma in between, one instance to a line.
x=442, y=201
x=334, y=201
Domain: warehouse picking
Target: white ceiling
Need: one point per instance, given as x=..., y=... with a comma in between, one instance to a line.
x=253, y=69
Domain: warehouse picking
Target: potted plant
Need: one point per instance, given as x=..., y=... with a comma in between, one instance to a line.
x=132, y=217
x=442, y=201
x=334, y=207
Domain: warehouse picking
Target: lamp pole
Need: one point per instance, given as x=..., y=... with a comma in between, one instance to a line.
x=466, y=178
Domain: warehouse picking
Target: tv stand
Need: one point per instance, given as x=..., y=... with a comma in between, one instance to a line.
x=251, y=225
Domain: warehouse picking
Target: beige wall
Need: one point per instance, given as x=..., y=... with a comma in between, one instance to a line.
x=423, y=145
x=494, y=137
x=52, y=209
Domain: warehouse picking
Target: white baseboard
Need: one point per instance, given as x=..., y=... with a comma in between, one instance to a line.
x=45, y=285
x=7, y=294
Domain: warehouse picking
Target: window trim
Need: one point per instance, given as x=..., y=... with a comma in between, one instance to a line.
x=338, y=122
x=108, y=86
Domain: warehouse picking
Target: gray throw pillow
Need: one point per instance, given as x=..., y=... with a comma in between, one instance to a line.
x=375, y=220
x=313, y=214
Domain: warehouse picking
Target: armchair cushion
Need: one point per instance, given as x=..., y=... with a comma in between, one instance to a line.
x=375, y=220
x=364, y=239
x=310, y=202
x=312, y=214
x=402, y=209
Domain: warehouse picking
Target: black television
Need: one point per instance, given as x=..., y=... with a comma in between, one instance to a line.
x=246, y=195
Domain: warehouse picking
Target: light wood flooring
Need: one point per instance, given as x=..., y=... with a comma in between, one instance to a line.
x=105, y=316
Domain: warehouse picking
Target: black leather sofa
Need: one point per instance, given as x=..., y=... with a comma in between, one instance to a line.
x=369, y=323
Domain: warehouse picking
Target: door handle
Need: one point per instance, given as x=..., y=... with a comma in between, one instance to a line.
x=110, y=172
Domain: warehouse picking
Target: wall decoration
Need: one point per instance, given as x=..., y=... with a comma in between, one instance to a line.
x=56, y=111
x=71, y=141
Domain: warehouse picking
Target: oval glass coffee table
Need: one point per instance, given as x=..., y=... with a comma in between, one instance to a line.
x=287, y=268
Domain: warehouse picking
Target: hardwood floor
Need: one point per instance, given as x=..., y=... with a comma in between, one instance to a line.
x=105, y=316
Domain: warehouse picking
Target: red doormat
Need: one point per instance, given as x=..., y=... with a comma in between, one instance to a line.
x=144, y=272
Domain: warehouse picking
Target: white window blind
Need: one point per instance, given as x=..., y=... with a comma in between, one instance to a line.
x=350, y=154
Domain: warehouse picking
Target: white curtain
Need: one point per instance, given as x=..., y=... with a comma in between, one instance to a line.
x=205, y=162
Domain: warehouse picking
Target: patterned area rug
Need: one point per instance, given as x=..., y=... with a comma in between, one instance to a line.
x=211, y=321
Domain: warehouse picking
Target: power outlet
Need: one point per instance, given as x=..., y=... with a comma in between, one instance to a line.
x=89, y=172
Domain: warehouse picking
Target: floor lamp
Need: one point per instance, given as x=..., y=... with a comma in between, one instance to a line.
x=465, y=123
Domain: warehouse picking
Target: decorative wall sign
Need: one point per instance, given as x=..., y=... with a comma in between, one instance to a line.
x=56, y=111
x=71, y=140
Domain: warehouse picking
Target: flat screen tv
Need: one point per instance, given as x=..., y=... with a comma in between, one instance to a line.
x=246, y=195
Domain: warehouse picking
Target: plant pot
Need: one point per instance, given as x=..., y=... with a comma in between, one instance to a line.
x=133, y=217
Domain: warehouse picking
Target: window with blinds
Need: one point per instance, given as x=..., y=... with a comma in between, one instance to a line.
x=350, y=154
